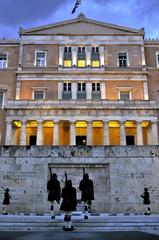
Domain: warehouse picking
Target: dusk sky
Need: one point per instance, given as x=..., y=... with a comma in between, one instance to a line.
x=32, y=13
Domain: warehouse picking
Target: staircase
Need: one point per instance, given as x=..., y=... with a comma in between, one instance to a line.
x=95, y=222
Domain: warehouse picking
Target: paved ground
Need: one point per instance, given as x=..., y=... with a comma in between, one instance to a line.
x=77, y=236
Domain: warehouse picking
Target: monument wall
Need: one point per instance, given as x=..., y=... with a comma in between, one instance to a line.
x=120, y=174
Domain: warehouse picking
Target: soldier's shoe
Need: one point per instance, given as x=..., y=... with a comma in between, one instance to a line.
x=53, y=217
x=5, y=213
x=146, y=213
x=66, y=229
x=72, y=228
x=85, y=217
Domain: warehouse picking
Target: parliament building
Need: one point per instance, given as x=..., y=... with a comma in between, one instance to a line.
x=81, y=82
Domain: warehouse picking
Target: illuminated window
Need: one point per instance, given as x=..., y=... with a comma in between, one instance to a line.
x=95, y=57
x=40, y=59
x=81, y=57
x=67, y=57
x=122, y=59
x=39, y=95
x=3, y=60
x=95, y=63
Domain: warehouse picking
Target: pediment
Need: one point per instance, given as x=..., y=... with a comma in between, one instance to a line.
x=81, y=26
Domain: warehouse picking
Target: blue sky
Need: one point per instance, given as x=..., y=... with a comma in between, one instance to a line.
x=31, y=13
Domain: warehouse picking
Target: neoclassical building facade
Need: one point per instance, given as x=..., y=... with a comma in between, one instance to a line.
x=79, y=82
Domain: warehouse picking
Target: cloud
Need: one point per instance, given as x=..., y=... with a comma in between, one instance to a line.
x=31, y=13
x=15, y=12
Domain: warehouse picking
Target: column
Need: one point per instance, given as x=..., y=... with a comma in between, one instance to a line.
x=8, y=139
x=20, y=57
x=39, y=134
x=74, y=56
x=106, y=133
x=88, y=90
x=139, y=139
x=61, y=50
x=103, y=93
x=74, y=90
x=23, y=134
x=146, y=95
x=56, y=133
x=60, y=89
x=101, y=52
x=122, y=133
x=154, y=133
x=143, y=56
x=72, y=133
x=18, y=88
x=89, y=133
x=88, y=56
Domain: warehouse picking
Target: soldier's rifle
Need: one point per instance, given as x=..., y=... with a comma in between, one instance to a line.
x=84, y=171
x=3, y=188
x=50, y=171
x=65, y=177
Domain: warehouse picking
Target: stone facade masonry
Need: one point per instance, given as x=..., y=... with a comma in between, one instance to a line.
x=120, y=174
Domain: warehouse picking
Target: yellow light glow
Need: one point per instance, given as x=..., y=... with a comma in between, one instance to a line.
x=32, y=124
x=145, y=124
x=95, y=63
x=130, y=124
x=48, y=124
x=114, y=124
x=97, y=124
x=81, y=63
x=81, y=124
x=17, y=123
x=67, y=63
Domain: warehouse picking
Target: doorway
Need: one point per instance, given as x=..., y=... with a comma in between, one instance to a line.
x=130, y=140
x=32, y=140
x=81, y=140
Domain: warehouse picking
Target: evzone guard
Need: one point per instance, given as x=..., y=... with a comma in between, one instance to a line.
x=6, y=200
x=146, y=200
x=87, y=192
x=54, y=192
x=68, y=204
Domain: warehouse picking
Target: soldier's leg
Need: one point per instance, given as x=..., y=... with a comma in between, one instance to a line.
x=86, y=210
x=89, y=205
x=52, y=210
x=147, y=210
x=66, y=219
x=4, y=210
x=70, y=227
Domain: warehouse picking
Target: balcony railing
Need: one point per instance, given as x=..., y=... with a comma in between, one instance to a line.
x=81, y=95
x=66, y=95
x=100, y=104
x=96, y=95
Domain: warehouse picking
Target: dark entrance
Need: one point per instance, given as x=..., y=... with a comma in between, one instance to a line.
x=32, y=140
x=130, y=140
x=81, y=140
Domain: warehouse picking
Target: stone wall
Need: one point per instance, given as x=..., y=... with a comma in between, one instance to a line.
x=120, y=174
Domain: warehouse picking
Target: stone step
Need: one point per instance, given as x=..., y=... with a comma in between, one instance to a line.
x=100, y=222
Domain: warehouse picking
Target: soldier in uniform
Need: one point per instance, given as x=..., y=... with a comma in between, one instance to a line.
x=69, y=204
x=6, y=201
x=53, y=187
x=146, y=200
x=87, y=193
